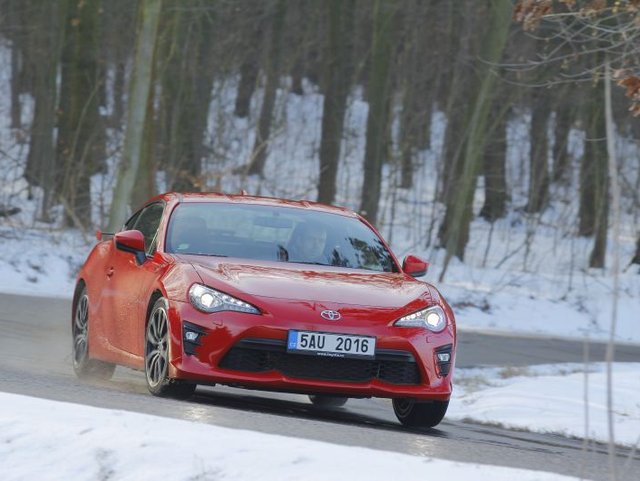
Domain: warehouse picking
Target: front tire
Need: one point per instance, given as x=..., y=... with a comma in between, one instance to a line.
x=83, y=366
x=156, y=356
x=419, y=414
x=321, y=400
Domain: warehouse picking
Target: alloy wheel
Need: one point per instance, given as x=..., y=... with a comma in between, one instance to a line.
x=157, y=348
x=80, y=323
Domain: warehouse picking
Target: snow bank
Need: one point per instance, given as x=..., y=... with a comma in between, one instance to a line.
x=50, y=440
x=551, y=398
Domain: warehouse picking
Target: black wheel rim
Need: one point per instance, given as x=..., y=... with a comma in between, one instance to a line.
x=80, y=324
x=157, y=348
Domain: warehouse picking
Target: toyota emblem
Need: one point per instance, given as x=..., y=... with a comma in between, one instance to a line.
x=331, y=315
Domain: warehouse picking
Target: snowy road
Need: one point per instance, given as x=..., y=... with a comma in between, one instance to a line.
x=34, y=360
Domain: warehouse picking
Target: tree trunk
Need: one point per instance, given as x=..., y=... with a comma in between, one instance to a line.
x=16, y=108
x=494, y=166
x=425, y=74
x=139, y=92
x=46, y=42
x=250, y=66
x=379, y=93
x=338, y=55
x=459, y=207
x=119, y=28
x=592, y=214
x=248, y=79
x=186, y=95
x=636, y=257
x=414, y=125
x=145, y=177
x=81, y=139
x=564, y=119
x=15, y=22
x=594, y=182
x=272, y=72
x=538, y=154
x=118, y=94
x=459, y=79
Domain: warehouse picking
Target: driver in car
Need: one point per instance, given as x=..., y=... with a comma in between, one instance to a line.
x=307, y=244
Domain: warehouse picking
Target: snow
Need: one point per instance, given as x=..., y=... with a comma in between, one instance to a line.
x=40, y=263
x=90, y=443
x=551, y=399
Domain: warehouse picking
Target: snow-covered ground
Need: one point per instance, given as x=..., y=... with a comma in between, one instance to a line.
x=89, y=443
x=563, y=399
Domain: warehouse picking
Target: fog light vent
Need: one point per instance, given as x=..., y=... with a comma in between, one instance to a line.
x=191, y=337
x=443, y=359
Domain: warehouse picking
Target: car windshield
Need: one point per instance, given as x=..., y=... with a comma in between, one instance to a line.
x=285, y=234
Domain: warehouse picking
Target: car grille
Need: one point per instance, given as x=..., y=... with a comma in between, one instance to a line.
x=261, y=355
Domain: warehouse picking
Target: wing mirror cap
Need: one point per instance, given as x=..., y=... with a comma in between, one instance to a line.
x=414, y=266
x=130, y=241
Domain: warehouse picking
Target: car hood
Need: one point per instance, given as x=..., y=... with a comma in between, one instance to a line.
x=298, y=282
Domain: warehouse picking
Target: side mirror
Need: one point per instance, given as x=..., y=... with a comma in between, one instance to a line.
x=414, y=266
x=131, y=241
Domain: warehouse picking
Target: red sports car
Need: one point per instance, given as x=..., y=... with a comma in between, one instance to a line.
x=267, y=294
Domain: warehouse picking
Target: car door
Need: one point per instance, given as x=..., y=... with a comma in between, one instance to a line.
x=131, y=281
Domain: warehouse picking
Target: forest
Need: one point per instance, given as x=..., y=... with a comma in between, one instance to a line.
x=144, y=96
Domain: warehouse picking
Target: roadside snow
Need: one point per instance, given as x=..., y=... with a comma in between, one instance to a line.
x=90, y=443
x=551, y=398
x=40, y=263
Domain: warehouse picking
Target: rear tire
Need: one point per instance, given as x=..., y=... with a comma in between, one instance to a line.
x=83, y=366
x=156, y=356
x=422, y=414
x=328, y=401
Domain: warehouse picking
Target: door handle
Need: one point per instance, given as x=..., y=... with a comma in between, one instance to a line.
x=110, y=272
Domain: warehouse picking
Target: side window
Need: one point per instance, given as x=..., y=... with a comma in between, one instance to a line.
x=147, y=223
x=132, y=221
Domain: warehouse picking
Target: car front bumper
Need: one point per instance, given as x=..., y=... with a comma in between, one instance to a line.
x=248, y=350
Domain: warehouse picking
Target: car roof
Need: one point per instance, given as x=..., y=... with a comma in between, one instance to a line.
x=196, y=197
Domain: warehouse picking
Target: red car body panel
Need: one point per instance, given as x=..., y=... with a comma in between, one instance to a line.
x=289, y=296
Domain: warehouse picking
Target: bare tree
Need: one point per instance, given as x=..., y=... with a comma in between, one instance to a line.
x=46, y=42
x=80, y=148
x=494, y=166
x=539, y=156
x=379, y=95
x=459, y=213
x=139, y=92
x=338, y=73
x=186, y=78
x=272, y=74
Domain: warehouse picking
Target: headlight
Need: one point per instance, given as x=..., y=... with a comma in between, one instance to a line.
x=433, y=318
x=206, y=299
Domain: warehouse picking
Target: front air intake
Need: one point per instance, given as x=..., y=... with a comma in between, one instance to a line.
x=262, y=355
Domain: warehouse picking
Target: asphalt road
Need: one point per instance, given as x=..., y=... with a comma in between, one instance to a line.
x=35, y=360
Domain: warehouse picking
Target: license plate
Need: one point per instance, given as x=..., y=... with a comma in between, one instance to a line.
x=331, y=345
